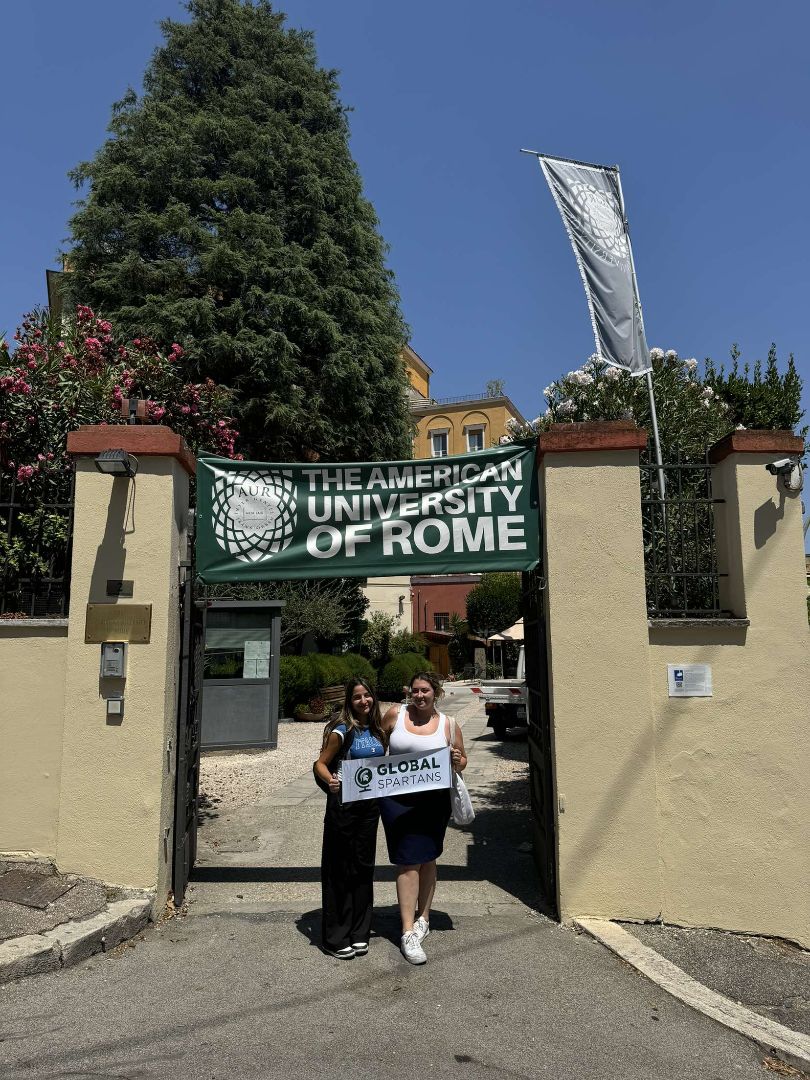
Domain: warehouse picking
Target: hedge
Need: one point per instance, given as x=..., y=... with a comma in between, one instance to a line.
x=398, y=672
x=302, y=677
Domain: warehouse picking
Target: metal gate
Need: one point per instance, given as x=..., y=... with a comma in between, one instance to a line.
x=189, y=726
x=541, y=775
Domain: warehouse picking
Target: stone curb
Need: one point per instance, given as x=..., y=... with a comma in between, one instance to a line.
x=73, y=941
x=791, y=1045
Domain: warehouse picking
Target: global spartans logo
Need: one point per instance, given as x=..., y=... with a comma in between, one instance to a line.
x=363, y=779
x=254, y=514
x=601, y=222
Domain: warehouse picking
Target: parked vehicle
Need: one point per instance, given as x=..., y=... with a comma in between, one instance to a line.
x=505, y=700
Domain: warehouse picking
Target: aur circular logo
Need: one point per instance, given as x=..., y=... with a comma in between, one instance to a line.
x=602, y=223
x=254, y=514
x=363, y=779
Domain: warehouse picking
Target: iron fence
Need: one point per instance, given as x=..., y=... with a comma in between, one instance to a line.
x=680, y=547
x=35, y=542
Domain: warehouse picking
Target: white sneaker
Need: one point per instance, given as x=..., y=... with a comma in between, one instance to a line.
x=411, y=949
x=422, y=928
x=360, y=948
x=341, y=954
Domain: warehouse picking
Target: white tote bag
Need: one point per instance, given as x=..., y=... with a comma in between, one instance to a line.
x=460, y=802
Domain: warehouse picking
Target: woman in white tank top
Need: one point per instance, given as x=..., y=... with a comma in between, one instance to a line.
x=415, y=824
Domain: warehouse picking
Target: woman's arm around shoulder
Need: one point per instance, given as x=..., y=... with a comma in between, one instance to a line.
x=389, y=719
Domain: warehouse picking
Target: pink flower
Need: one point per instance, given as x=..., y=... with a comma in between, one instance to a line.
x=185, y=410
x=32, y=364
x=24, y=473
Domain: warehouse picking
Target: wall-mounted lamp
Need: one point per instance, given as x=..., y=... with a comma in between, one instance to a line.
x=117, y=463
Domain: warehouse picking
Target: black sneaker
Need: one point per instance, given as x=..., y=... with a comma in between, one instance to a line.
x=341, y=954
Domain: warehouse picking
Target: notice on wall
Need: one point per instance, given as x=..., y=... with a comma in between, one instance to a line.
x=689, y=680
x=401, y=774
x=256, y=661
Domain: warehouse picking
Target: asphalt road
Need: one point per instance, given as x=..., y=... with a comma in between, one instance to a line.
x=239, y=988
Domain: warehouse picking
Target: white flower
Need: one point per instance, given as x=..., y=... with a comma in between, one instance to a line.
x=566, y=408
x=741, y=427
x=671, y=354
x=656, y=354
x=547, y=412
x=537, y=419
x=707, y=394
x=707, y=402
x=690, y=365
x=504, y=439
x=613, y=373
x=548, y=389
x=512, y=424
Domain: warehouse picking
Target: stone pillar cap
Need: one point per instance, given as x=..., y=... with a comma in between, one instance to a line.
x=142, y=440
x=756, y=441
x=592, y=435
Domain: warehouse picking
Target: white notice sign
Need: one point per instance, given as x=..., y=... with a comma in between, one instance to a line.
x=689, y=680
x=256, y=662
x=402, y=774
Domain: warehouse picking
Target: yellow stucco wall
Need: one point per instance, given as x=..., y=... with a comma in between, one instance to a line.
x=383, y=594
x=455, y=418
x=32, y=704
x=117, y=774
x=602, y=725
x=734, y=798
x=694, y=810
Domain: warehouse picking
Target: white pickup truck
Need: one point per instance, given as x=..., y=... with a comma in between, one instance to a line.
x=505, y=700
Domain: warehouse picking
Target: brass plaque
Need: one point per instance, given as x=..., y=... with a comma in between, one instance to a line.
x=118, y=622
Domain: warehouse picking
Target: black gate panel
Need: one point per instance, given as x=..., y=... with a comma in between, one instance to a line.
x=189, y=727
x=541, y=773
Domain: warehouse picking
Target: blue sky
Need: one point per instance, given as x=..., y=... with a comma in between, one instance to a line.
x=703, y=105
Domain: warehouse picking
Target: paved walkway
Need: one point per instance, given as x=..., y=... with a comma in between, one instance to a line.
x=267, y=857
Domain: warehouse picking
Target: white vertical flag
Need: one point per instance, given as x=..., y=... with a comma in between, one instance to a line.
x=589, y=198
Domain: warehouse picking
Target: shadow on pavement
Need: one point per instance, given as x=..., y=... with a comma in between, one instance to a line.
x=386, y=924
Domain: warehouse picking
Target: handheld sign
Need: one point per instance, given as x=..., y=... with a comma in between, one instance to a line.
x=402, y=774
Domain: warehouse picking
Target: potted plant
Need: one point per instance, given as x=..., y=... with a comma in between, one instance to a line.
x=316, y=709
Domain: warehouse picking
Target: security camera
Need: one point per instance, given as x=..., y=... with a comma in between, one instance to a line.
x=790, y=470
x=777, y=467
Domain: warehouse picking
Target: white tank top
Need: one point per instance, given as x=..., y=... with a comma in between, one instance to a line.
x=403, y=741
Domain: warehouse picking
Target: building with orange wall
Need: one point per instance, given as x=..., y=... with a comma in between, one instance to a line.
x=453, y=425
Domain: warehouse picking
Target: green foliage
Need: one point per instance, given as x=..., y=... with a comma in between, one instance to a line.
x=459, y=646
x=693, y=412
x=376, y=639
x=406, y=642
x=327, y=608
x=67, y=372
x=755, y=400
x=302, y=677
x=225, y=212
x=494, y=603
x=398, y=672
x=495, y=388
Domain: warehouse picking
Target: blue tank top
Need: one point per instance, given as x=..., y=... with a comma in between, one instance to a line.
x=364, y=743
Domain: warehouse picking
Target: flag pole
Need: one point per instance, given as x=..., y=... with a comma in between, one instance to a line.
x=662, y=487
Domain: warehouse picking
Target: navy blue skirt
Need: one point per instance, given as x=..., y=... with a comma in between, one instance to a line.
x=415, y=826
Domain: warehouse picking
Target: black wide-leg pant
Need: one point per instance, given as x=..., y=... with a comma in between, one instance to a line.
x=347, y=870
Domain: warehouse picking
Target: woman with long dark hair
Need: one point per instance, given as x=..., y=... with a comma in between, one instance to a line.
x=349, y=829
x=415, y=824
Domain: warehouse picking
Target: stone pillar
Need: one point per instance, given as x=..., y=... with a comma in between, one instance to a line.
x=603, y=734
x=117, y=794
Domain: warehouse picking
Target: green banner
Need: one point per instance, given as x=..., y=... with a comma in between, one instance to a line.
x=261, y=522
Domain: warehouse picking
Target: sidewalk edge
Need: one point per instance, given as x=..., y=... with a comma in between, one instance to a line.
x=73, y=941
x=792, y=1045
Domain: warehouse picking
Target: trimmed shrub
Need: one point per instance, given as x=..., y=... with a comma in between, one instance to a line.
x=294, y=682
x=398, y=672
x=406, y=642
x=303, y=677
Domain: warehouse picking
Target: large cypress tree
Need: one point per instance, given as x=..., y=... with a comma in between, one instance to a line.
x=225, y=212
